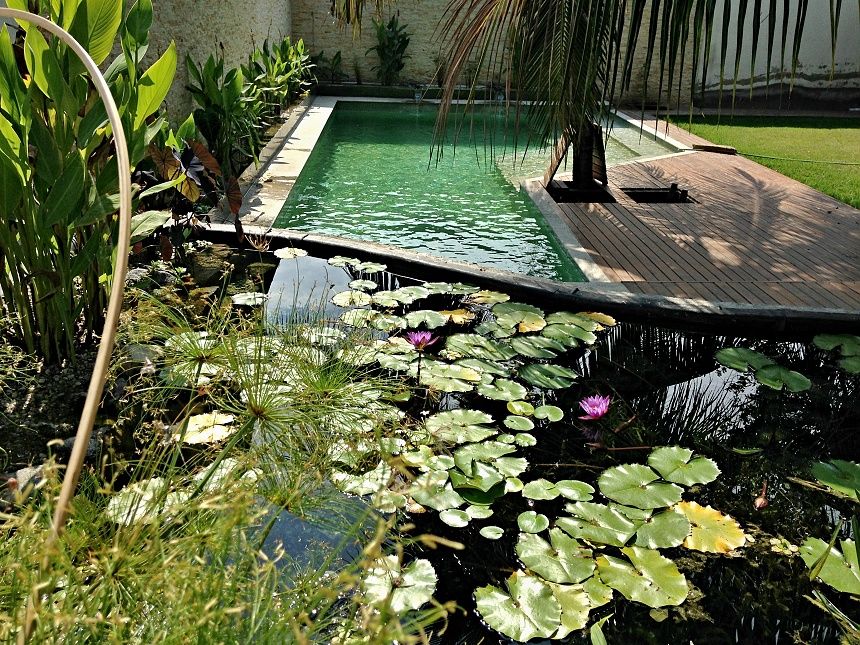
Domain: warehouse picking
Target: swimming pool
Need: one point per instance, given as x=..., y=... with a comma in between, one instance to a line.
x=370, y=177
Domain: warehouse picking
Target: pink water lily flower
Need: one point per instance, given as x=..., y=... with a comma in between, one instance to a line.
x=420, y=339
x=595, y=406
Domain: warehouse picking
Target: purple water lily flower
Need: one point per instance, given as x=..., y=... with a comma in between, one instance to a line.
x=595, y=406
x=420, y=339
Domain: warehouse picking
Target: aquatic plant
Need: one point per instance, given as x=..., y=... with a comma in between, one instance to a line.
x=594, y=406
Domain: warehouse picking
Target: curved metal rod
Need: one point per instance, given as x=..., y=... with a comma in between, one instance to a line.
x=97, y=381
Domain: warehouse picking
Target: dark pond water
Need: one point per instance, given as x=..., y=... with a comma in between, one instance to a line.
x=667, y=389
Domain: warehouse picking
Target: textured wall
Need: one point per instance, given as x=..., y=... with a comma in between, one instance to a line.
x=199, y=26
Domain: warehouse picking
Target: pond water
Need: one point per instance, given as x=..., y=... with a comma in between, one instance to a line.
x=666, y=389
x=370, y=177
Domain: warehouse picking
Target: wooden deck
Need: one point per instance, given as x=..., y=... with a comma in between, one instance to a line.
x=753, y=236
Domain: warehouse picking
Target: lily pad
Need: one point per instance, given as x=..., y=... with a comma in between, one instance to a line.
x=484, y=367
x=435, y=288
x=537, y=346
x=777, y=376
x=528, y=610
x=494, y=329
x=531, y=522
x=551, y=413
x=486, y=451
x=525, y=440
x=840, y=475
x=562, y=559
x=551, y=377
x=290, y=253
x=460, y=426
x=458, y=316
x=850, y=364
x=741, y=358
x=479, y=512
x=475, y=346
x=575, y=490
x=482, y=477
x=575, y=606
x=511, y=466
x=663, y=530
x=363, y=285
x=369, y=267
x=427, y=317
x=388, y=323
x=408, y=295
x=365, y=484
x=360, y=318
x=841, y=570
x=502, y=390
x=447, y=378
x=491, y=532
x=540, y=489
x=249, y=299
x=455, y=517
x=648, y=577
x=459, y=288
x=433, y=490
x=351, y=298
x=403, y=588
x=848, y=344
x=636, y=485
x=598, y=523
x=143, y=502
x=520, y=408
x=569, y=335
x=211, y=427
x=485, y=297
x=524, y=318
x=386, y=299
x=676, y=464
x=712, y=532
x=342, y=261
x=518, y=423
x=579, y=320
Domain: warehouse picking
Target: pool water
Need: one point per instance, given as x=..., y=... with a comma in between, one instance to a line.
x=370, y=177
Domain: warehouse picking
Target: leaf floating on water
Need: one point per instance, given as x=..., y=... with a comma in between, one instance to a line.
x=840, y=475
x=363, y=285
x=249, y=299
x=676, y=464
x=562, y=560
x=575, y=606
x=529, y=609
x=435, y=288
x=427, y=317
x=351, y=299
x=648, y=577
x=603, y=319
x=484, y=367
x=454, y=517
x=492, y=328
x=518, y=423
x=776, y=376
x=741, y=358
x=445, y=377
x=475, y=346
x=540, y=489
x=342, y=261
x=416, y=583
x=369, y=267
x=290, y=253
x=408, y=295
x=487, y=297
x=491, y=532
x=524, y=317
x=598, y=523
x=459, y=316
x=502, y=390
x=712, y=532
x=460, y=426
x=551, y=413
x=850, y=364
x=841, y=570
x=663, y=530
x=531, y=522
x=367, y=483
x=387, y=323
x=636, y=485
x=358, y=317
x=520, y=408
x=143, y=502
x=537, y=346
x=848, y=344
x=211, y=427
x=569, y=335
x=551, y=377
x=575, y=490
x=579, y=320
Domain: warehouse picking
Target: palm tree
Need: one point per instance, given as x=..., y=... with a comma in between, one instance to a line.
x=564, y=63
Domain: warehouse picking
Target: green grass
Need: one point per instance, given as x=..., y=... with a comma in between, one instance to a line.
x=797, y=141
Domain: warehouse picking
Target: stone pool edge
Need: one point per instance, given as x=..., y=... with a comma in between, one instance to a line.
x=662, y=310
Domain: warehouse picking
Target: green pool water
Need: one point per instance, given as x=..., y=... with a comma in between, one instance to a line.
x=370, y=177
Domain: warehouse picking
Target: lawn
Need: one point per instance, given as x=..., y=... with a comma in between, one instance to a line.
x=804, y=148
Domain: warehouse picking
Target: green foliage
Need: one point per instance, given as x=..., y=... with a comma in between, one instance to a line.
x=391, y=43
x=767, y=372
x=59, y=205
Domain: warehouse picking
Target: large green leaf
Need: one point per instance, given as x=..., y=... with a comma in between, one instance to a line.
x=95, y=26
x=46, y=71
x=481, y=477
x=528, y=610
x=575, y=604
x=598, y=523
x=712, y=531
x=562, y=559
x=551, y=413
x=741, y=358
x=460, y=426
x=502, y=390
x=145, y=224
x=848, y=344
x=475, y=346
x=551, y=377
x=676, y=464
x=840, y=570
x=537, y=346
x=569, y=488
x=432, y=489
x=840, y=475
x=445, y=377
x=578, y=320
x=777, y=376
x=637, y=485
x=484, y=367
x=524, y=318
x=154, y=85
x=427, y=317
x=403, y=588
x=568, y=335
x=66, y=196
x=648, y=577
x=486, y=451
x=531, y=522
x=663, y=530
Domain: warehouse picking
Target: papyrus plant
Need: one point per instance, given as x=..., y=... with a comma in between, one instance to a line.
x=58, y=170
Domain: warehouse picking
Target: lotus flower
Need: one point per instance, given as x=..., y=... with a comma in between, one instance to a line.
x=420, y=339
x=595, y=406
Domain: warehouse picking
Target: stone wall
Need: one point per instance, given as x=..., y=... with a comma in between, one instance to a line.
x=202, y=27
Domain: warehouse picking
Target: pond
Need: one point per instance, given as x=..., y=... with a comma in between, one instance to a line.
x=500, y=391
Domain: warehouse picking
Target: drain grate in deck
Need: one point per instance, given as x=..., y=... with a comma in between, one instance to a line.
x=671, y=195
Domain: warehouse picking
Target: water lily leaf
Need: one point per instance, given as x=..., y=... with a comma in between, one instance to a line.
x=511, y=466
x=363, y=285
x=249, y=299
x=385, y=299
x=427, y=317
x=531, y=522
x=492, y=532
x=358, y=317
x=342, y=261
x=598, y=523
x=475, y=346
x=387, y=501
x=388, y=323
x=399, y=363
x=521, y=424
x=575, y=606
x=479, y=512
x=484, y=367
x=536, y=346
x=477, y=497
x=403, y=588
x=848, y=344
x=562, y=560
x=840, y=569
x=486, y=451
x=649, y=577
x=524, y=317
x=357, y=354
x=540, y=489
x=840, y=475
x=432, y=489
x=460, y=426
x=578, y=320
x=290, y=253
x=568, y=335
x=675, y=464
x=525, y=440
x=514, y=485
x=502, y=390
x=459, y=316
x=603, y=319
x=636, y=485
x=520, y=408
x=365, y=484
x=351, y=298
x=482, y=477
x=776, y=376
x=712, y=532
x=408, y=295
x=144, y=501
x=494, y=329
x=850, y=364
x=322, y=336
x=529, y=609
x=598, y=593
x=741, y=358
x=211, y=427
x=458, y=288
x=445, y=377
x=485, y=297
x=663, y=530
x=551, y=377
x=435, y=288
x=575, y=490
x=368, y=267
x=551, y=413
x=455, y=517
